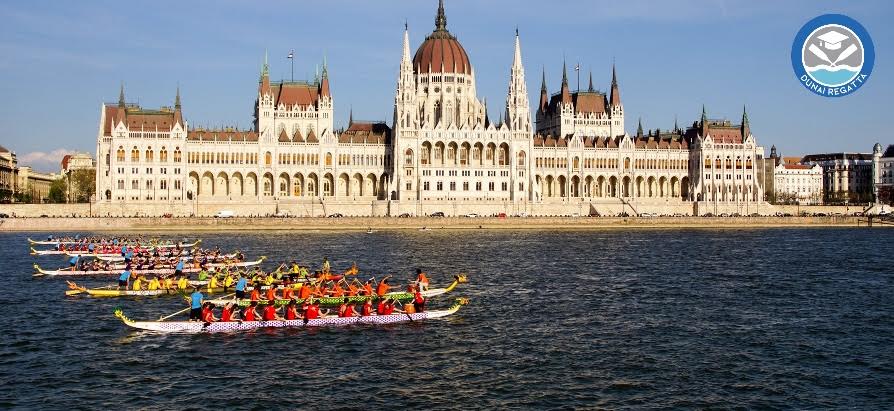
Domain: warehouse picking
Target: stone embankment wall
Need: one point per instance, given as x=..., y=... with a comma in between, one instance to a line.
x=391, y=223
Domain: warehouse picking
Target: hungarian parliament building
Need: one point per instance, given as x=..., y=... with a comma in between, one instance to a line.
x=441, y=152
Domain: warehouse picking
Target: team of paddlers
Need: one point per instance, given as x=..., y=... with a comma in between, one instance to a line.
x=264, y=292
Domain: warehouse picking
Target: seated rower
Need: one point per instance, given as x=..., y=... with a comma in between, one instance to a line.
x=169, y=283
x=249, y=313
x=137, y=284
x=326, y=265
x=270, y=312
x=153, y=284
x=366, y=311
x=212, y=283
x=208, y=313
x=346, y=309
x=227, y=314
x=306, y=291
x=292, y=310
x=382, y=307
x=367, y=288
x=256, y=293
x=389, y=307
x=313, y=311
x=271, y=294
x=182, y=283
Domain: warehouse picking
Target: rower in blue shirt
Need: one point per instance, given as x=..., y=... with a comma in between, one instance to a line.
x=128, y=256
x=123, y=250
x=196, y=299
x=240, y=286
x=91, y=247
x=179, y=269
x=73, y=262
x=123, y=279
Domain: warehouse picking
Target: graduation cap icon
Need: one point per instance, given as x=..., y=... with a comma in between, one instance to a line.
x=832, y=40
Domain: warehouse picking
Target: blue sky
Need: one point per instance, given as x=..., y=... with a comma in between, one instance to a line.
x=59, y=60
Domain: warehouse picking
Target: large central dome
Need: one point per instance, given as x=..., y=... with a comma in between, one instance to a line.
x=441, y=52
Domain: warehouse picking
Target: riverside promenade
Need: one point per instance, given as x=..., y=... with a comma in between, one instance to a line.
x=57, y=224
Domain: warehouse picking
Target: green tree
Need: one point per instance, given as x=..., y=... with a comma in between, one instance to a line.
x=83, y=184
x=57, y=191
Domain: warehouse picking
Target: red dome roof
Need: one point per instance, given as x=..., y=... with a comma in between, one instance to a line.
x=439, y=49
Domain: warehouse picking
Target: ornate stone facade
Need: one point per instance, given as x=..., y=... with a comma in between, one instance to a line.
x=442, y=152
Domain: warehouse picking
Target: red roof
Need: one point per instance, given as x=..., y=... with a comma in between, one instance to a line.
x=797, y=166
x=302, y=94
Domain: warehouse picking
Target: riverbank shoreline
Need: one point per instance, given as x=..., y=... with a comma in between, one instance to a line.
x=416, y=223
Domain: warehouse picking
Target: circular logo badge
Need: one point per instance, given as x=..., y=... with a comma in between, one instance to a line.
x=833, y=55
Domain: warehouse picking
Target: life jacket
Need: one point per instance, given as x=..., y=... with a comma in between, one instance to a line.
x=226, y=314
x=381, y=308
x=313, y=312
x=349, y=311
x=271, y=294
x=382, y=288
x=367, y=310
x=305, y=292
x=418, y=298
x=291, y=313
x=255, y=294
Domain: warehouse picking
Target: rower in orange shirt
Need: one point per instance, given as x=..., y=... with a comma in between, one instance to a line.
x=383, y=287
x=271, y=293
x=306, y=291
x=255, y=292
x=353, y=289
x=337, y=291
x=421, y=280
x=367, y=288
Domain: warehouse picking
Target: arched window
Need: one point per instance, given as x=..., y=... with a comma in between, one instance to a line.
x=268, y=158
x=408, y=156
x=328, y=159
x=135, y=154
x=627, y=163
x=120, y=154
x=521, y=159
x=150, y=156
x=163, y=155
x=177, y=155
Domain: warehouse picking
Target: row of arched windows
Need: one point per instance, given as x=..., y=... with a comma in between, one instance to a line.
x=148, y=156
x=728, y=163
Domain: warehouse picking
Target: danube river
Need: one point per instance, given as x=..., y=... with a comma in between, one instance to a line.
x=757, y=318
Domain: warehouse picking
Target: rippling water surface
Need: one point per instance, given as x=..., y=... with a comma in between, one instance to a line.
x=789, y=318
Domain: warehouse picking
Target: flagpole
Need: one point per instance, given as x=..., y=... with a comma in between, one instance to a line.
x=292, y=60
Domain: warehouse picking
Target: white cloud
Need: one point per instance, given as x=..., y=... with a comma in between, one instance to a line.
x=43, y=161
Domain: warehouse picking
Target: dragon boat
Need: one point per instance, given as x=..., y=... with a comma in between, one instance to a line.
x=401, y=296
x=110, y=291
x=326, y=321
x=95, y=254
x=118, y=257
x=151, y=244
x=97, y=273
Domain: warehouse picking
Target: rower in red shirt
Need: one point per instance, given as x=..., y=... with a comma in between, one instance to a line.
x=270, y=312
x=389, y=307
x=271, y=293
x=227, y=314
x=313, y=312
x=292, y=311
x=208, y=313
x=419, y=302
x=249, y=314
x=382, y=307
x=366, y=311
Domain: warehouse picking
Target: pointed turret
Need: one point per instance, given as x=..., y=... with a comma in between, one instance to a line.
x=405, y=57
x=324, y=83
x=566, y=93
x=746, y=128
x=518, y=111
x=544, y=96
x=704, y=121
x=351, y=117
x=615, y=93
x=265, y=76
x=121, y=96
x=590, y=88
x=178, y=115
x=639, y=128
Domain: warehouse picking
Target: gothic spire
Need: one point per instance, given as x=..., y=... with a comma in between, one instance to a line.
x=590, y=89
x=516, y=60
x=616, y=93
x=441, y=19
x=566, y=93
x=746, y=128
x=406, y=54
x=177, y=99
x=121, y=96
x=486, y=117
x=639, y=128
